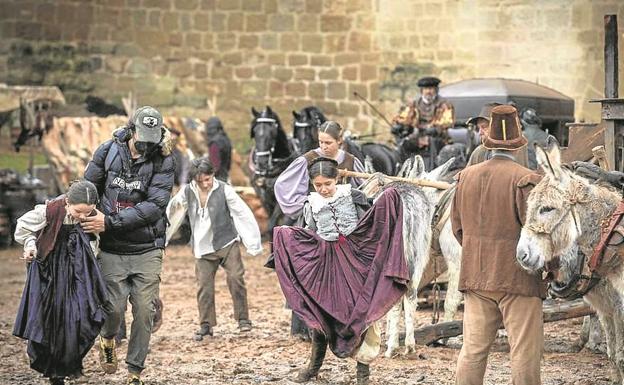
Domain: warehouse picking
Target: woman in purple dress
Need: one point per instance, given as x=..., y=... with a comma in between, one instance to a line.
x=293, y=185
x=61, y=311
x=345, y=270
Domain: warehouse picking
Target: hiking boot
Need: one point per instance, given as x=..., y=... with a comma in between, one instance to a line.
x=204, y=330
x=244, y=325
x=362, y=373
x=134, y=379
x=108, y=356
x=57, y=381
x=317, y=355
x=158, y=318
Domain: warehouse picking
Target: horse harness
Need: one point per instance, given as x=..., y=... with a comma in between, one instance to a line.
x=275, y=165
x=603, y=255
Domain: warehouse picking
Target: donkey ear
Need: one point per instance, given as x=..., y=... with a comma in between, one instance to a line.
x=439, y=171
x=419, y=167
x=254, y=112
x=549, y=159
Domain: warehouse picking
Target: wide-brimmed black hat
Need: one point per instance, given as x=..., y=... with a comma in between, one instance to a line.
x=485, y=112
x=428, y=81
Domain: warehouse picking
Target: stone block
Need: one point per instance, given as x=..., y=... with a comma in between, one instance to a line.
x=28, y=31
x=160, y=68
x=328, y=108
x=359, y=41
x=162, y=4
x=171, y=21
x=254, y=89
x=232, y=59
x=365, y=22
x=200, y=70
x=348, y=109
x=186, y=22
x=347, y=58
x=201, y=21
x=192, y=100
x=208, y=41
x=186, y=5
x=276, y=89
x=313, y=6
x=251, y=5
x=446, y=55
x=255, y=23
x=154, y=19
x=316, y=91
x=297, y=59
x=236, y=21
x=329, y=74
x=297, y=90
x=312, y=43
x=289, y=42
x=193, y=40
x=151, y=38
x=138, y=65
x=44, y=13
x=226, y=41
x=374, y=57
x=281, y=22
x=336, y=90
x=208, y=5
x=350, y=73
x=263, y=71
x=180, y=69
x=335, y=43
x=368, y=72
x=229, y=5
x=232, y=90
x=221, y=72
x=115, y=64
x=307, y=23
x=335, y=23
x=359, y=88
x=305, y=74
x=282, y=74
x=269, y=41
x=276, y=59
x=291, y=6
x=248, y=41
x=321, y=60
x=217, y=21
x=270, y=6
x=244, y=72
x=373, y=91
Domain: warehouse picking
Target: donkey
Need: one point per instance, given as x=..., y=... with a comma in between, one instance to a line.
x=417, y=250
x=563, y=223
x=270, y=156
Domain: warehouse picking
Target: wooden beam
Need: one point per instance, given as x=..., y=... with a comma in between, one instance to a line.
x=556, y=311
x=418, y=182
x=611, y=56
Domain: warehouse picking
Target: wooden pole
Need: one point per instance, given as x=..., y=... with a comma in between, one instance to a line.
x=417, y=182
x=611, y=56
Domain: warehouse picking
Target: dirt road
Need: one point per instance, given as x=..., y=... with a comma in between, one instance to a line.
x=266, y=354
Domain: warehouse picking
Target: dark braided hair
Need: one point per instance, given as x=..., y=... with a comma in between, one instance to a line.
x=332, y=129
x=325, y=167
x=82, y=191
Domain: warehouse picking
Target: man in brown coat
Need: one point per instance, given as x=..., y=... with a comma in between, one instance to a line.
x=487, y=215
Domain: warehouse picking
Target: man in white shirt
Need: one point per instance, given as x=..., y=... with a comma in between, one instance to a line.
x=219, y=219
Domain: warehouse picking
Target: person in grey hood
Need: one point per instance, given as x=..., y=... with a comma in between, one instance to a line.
x=532, y=130
x=219, y=148
x=133, y=173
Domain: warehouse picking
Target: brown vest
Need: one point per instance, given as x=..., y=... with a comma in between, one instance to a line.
x=347, y=163
x=55, y=214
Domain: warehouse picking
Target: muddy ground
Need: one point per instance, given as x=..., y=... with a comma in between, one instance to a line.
x=267, y=354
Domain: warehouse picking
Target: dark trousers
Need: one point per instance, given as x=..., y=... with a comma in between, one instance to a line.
x=206, y=268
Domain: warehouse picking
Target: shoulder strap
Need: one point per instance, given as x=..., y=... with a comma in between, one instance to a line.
x=113, y=150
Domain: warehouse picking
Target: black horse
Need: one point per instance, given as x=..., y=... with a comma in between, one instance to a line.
x=271, y=155
x=305, y=128
x=305, y=134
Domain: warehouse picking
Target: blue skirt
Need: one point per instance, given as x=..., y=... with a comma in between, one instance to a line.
x=62, y=306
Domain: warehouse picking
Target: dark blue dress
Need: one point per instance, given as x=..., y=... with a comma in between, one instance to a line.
x=61, y=311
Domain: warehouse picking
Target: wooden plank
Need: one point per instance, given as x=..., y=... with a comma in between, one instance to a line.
x=611, y=56
x=556, y=311
x=583, y=137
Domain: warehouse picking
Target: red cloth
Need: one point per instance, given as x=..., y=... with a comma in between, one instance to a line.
x=341, y=288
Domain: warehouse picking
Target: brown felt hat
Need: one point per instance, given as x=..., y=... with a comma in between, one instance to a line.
x=505, y=132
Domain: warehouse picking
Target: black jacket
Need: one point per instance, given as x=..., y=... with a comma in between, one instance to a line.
x=133, y=195
x=219, y=148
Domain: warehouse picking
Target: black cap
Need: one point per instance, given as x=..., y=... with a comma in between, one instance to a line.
x=428, y=81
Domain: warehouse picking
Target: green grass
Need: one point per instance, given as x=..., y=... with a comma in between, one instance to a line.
x=19, y=160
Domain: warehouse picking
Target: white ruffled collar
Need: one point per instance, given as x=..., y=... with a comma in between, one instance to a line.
x=317, y=202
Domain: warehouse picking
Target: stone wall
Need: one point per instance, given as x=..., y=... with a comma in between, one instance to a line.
x=179, y=54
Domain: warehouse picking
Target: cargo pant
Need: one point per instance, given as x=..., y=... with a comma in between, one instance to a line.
x=523, y=320
x=136, y=276
x=206, y=268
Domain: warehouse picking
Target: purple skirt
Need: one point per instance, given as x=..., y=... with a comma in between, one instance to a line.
x=342, y=287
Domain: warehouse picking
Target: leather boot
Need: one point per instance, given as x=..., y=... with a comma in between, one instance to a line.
x=362, y=372
x=319, y=348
